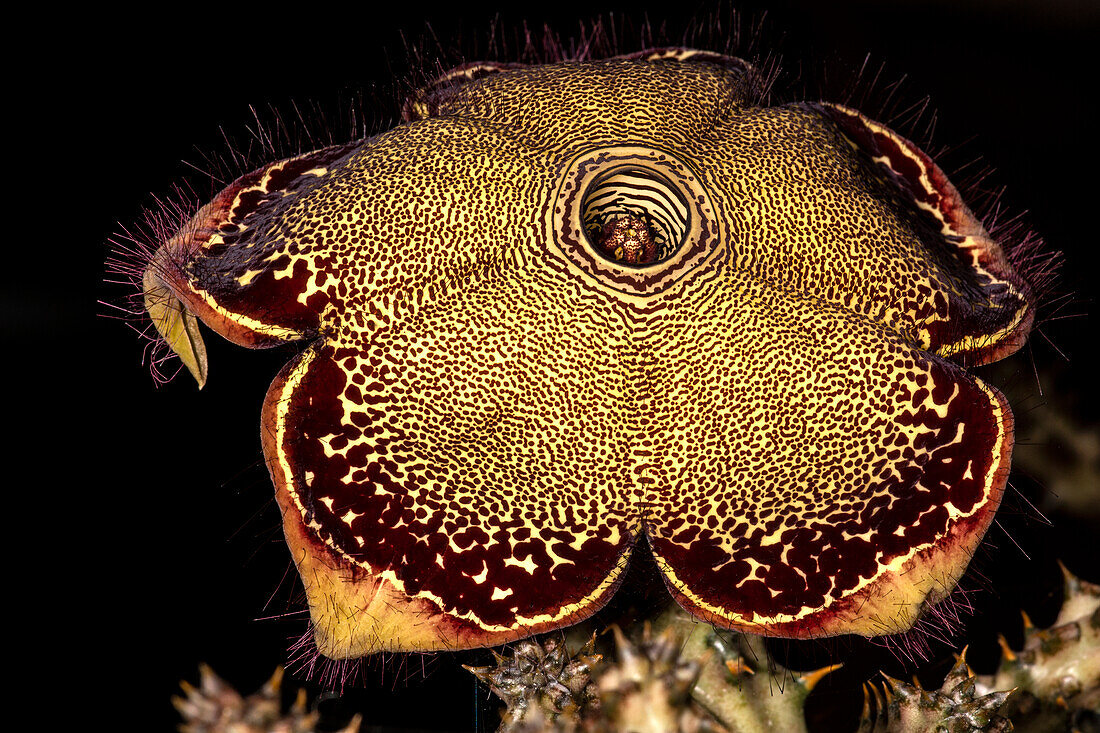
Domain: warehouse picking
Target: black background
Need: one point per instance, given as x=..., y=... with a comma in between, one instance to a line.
x=146, y=537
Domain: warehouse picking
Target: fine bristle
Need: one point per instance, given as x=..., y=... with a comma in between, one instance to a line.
x=427, y=56
x=384, y=669
x=131, y=250
x=270, y=135
x=939, y=628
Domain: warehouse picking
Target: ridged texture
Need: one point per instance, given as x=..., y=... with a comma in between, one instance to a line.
x=957, y=707
x=1057, y=672
x=542, y=685
x=675, y=675
x=215, y=707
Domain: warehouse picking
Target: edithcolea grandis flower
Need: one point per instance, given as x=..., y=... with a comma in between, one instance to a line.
x=564, y=309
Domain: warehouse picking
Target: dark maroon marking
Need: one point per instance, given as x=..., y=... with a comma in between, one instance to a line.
x=381, y=497
x=981, y=305
x=268, y=299
x=216, y=268
x=256, y=205
x=924, y=485
x=434, y=99
x=288, y=179
x=443, y=90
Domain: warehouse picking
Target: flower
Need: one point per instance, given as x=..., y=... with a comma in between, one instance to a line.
x=566, y=308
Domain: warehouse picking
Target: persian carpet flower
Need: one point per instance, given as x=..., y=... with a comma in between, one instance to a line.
x=567, y=308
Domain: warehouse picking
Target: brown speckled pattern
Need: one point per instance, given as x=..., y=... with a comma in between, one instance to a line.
x=489, y=415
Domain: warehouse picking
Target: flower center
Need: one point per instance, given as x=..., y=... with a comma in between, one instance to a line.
x=635, y=216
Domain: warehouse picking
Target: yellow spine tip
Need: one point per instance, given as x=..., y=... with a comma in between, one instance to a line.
x=1027, y=620
x=1006, y=650
x=737, y=667
x=810, y=679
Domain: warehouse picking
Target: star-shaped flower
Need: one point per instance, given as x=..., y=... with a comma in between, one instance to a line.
x=567, y=308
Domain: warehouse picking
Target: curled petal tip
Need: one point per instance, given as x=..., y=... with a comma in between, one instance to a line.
x=176, y=325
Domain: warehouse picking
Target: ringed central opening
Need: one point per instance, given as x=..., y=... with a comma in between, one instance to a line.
x=635, y=216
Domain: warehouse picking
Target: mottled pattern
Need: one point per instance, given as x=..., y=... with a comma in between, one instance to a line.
x=491, y=410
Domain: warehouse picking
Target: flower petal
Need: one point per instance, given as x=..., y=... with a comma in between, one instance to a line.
x=456, y=480
x=814, y=474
